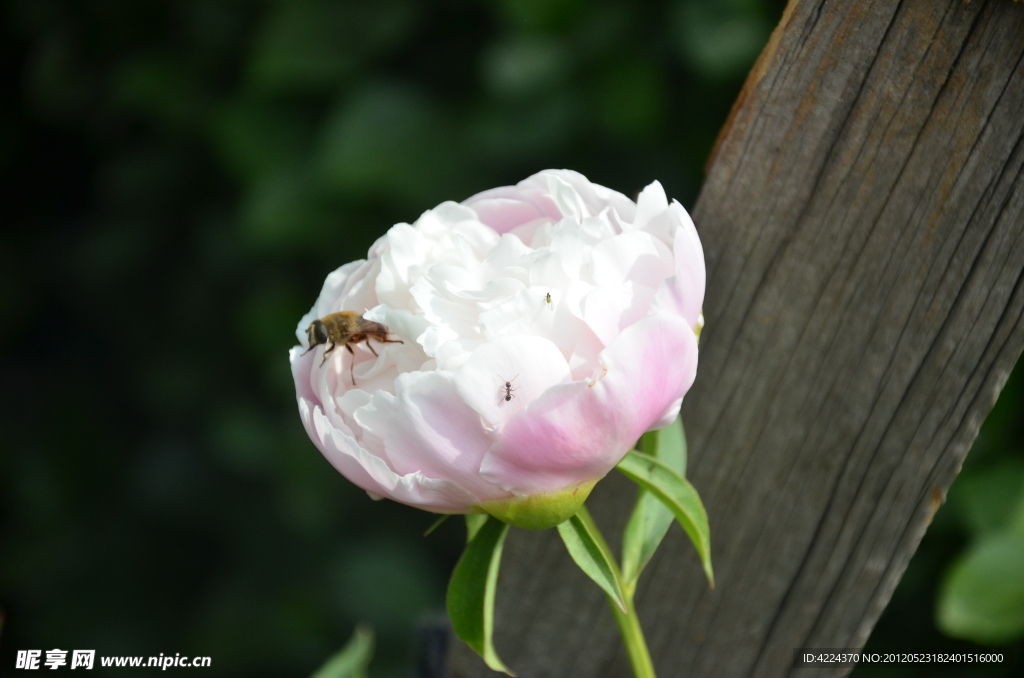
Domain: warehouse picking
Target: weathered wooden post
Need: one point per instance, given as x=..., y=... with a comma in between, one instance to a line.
x=863, y=223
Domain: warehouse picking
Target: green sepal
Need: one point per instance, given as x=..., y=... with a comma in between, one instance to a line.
x=651, y=519
x=353, y=659
x=678, y=495
x=588, y=548
x=471, y=591
x=540, y=510
x=474, y=521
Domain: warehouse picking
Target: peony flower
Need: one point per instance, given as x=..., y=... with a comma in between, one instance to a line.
x=544, y=326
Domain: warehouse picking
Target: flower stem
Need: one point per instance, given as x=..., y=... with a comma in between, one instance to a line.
x=633, y=637
x=629, y=623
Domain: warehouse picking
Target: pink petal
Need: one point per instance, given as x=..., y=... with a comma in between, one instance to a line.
x=371, y=473
x=427, y=428
x=578, y=431
x=509, y=206
x=361, y=466
x=683, y=293
x=595, y=196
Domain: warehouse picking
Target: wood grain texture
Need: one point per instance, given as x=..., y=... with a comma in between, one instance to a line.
x=863, y=225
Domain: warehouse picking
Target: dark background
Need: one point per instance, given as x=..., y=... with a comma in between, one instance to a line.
x=177, y=179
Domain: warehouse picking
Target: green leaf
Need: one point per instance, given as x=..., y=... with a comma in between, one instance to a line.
x=651, y=519
x=667, y=445
x=678, y=495
x=474, y=521
x=353, y=659
x=985, y=498
x=471, y=591
x=1017, y=519
x=588, y=548
x=982, y=597
x=436, y=524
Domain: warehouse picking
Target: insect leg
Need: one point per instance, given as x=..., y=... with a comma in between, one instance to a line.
x=352, y=363
x=327, y=353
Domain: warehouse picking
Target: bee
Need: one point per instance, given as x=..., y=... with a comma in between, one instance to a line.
x=346, y=328
x=508, y=387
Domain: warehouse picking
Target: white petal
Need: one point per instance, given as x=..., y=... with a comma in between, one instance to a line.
x=406, y=248
x=482, y=239
x=527, y=312
x=341, y=451
x=597, y=229
x=530, y=313
x=453, y=354
x=608, y=310
x=452, y=213
x=406, y=251
x=534, y=231
x=548, y=271
x=401, y=323
x=427, y=428
x=569, y=203
x=373, y=474
x=635, y=256
x=434, y=337
x=530, y=364
x=595, y=196
x=650, y=203
x=569, y=244
x=510, y=251
x=360, y=291
x=585, y=352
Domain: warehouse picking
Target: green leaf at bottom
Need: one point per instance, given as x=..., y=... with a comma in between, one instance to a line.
x=588, y=548
x=650, y=519
x=353, y=659
x=471, y=591
x=982, y=597
x=474, y=521
x=678, y=495
x=436, y=524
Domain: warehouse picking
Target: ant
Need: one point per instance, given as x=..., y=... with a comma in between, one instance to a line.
x=508, y=387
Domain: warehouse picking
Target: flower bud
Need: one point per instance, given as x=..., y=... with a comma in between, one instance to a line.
x=544, y=327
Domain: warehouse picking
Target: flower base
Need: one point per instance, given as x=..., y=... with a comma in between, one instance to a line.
x=541, y=510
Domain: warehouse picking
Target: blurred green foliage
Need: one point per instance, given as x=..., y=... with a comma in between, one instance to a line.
x=982, y=594
x=353, y=660
x=176, y=180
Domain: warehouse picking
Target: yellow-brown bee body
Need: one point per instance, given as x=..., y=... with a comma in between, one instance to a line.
x=346, y=328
